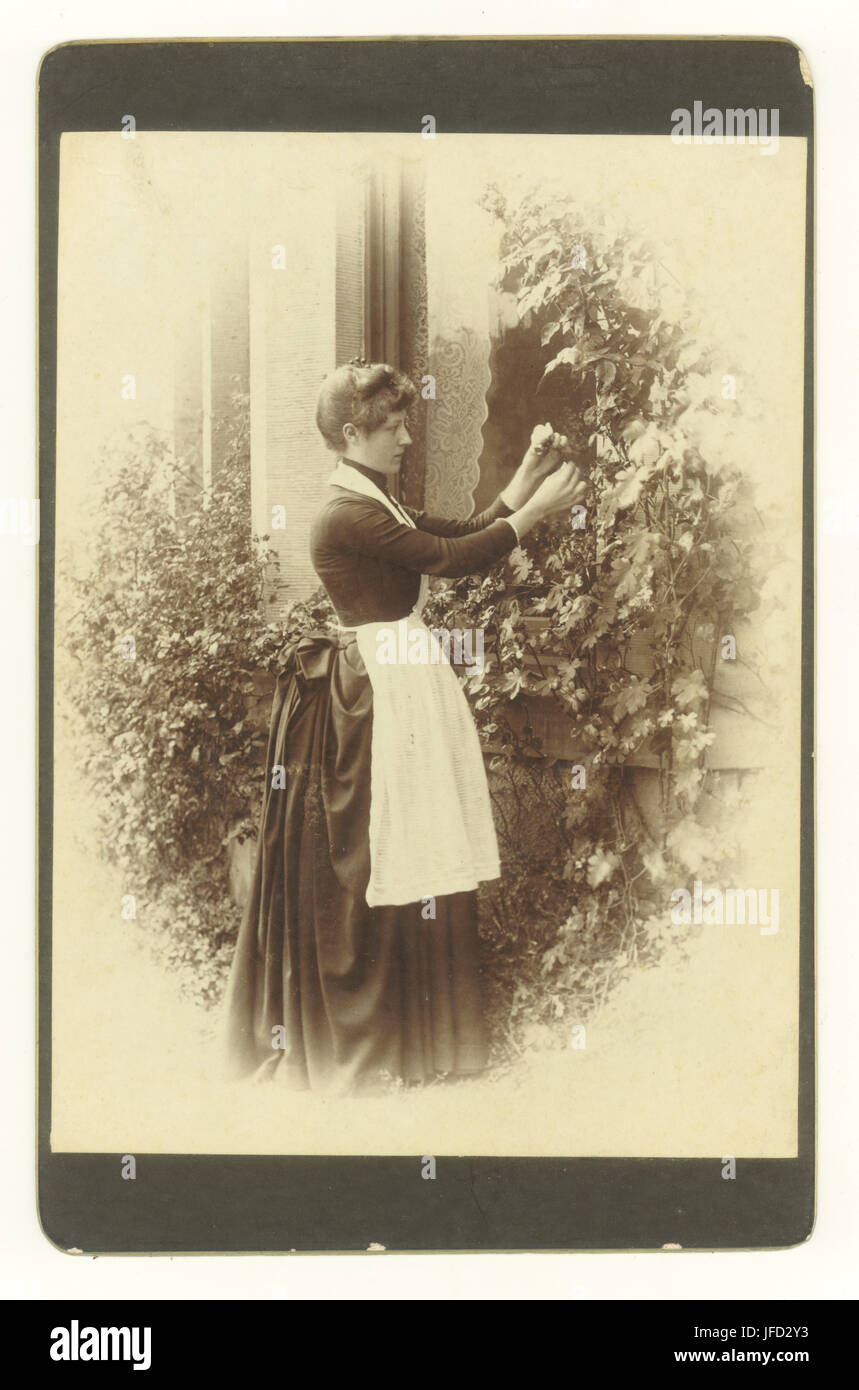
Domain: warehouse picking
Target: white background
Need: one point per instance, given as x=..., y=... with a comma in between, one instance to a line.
x=823, y=1268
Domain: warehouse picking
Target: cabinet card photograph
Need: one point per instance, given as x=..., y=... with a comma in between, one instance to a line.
x=428, y=629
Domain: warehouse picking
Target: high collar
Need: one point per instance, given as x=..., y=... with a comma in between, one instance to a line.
x=356, y=478
x=378, y=479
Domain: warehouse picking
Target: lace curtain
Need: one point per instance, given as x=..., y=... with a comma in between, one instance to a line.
x=461, y=259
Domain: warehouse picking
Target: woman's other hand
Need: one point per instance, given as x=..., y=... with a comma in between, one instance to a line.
x=561, y=490
x=555, y=495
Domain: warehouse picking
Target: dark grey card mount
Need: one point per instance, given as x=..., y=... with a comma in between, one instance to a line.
x=231, y=1203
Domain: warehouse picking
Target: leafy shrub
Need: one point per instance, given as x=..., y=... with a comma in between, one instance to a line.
x=173, y=651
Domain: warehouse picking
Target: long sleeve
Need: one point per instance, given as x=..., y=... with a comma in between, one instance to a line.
x=442, y=526
x=438, y=546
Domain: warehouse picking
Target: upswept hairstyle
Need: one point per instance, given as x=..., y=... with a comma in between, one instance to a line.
x=363, y=394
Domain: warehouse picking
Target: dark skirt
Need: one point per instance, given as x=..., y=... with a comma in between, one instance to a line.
x=324, y=991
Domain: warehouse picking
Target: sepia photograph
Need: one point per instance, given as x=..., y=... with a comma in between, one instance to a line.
x=428, y=641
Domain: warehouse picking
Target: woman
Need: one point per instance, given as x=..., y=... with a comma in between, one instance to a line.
x=357, y=959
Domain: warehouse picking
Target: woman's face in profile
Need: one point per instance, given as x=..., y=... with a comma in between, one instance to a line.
x=383, y=448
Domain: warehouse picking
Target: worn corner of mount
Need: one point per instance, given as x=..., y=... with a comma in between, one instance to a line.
x=804, y=69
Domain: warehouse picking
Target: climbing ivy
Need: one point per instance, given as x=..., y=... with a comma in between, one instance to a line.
x=614, y=618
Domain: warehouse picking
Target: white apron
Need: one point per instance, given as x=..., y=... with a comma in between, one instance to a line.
x=431, y=826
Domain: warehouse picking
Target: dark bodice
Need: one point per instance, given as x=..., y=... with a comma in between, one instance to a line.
x=371, y=564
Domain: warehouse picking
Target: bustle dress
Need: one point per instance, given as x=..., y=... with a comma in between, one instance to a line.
x=357, y=960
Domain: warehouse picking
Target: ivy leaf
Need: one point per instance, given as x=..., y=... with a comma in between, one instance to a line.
x=630, y=482
x=514, y=682
x=605, y=372
x=689, y=843
x=520, y=563
x=544, y=687
x=601, y=865
x=642, y=546
x=690, y=688
x=632, y=697
x=688, y=782
x=567, y=357
x=646, y=449
x=654, y=863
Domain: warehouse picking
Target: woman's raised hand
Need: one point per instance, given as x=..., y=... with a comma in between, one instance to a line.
x=545, y=451
x=561, y=490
